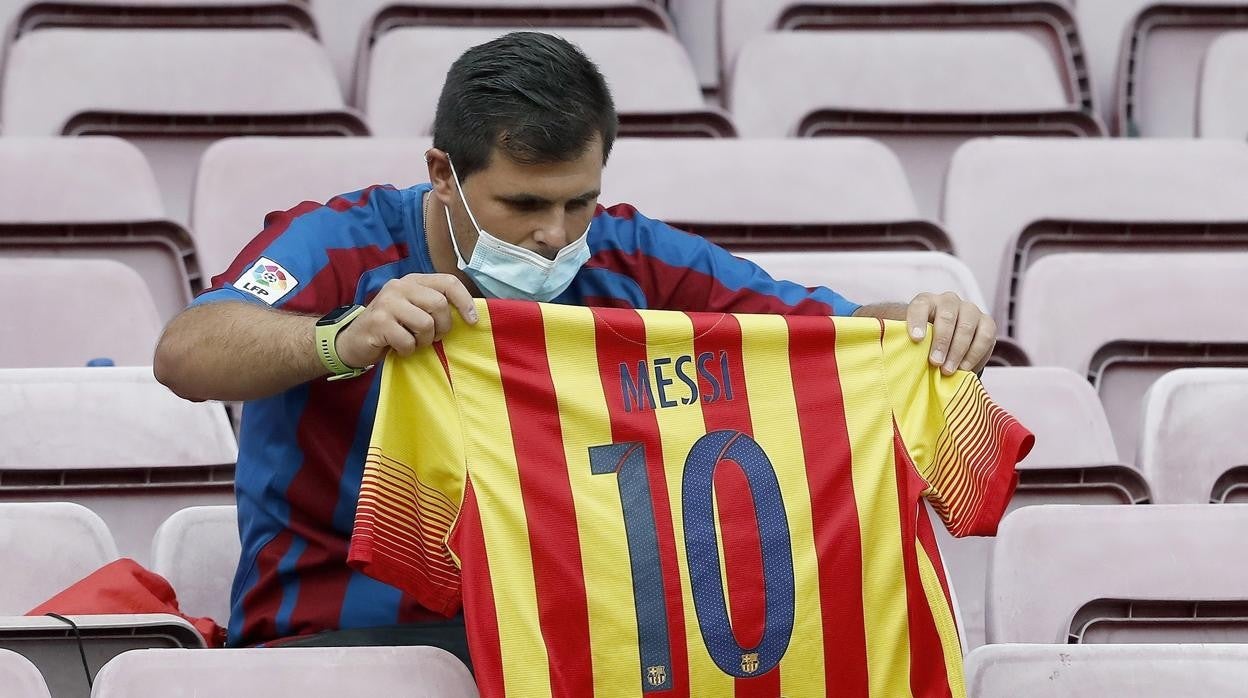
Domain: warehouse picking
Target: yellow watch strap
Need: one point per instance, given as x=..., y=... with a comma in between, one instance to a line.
x=327, y=350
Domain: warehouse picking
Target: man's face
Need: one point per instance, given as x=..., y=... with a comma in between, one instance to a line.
x=542, y=208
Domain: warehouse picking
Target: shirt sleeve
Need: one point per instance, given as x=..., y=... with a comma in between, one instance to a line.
x=675, y=270
x=306, y=259
x=413, y=484
x=962, y=444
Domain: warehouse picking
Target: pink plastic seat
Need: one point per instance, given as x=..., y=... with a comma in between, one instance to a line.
x=1115, y=574
x=651, y=78
x=241, y=180
x=29, y=532
x=772, y=193
x=1223, y=110
x=115, y=212
x=310, y=672
x=20, y=678
x=1009, y=202
x=115, y=440
x=67, y=312
x=172, y=91
x=1076, y=310
x=1097, y=671
x=197, y=550
x=1190, y=444
x=922, y=92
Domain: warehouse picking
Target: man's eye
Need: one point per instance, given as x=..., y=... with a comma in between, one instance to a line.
x=526, y=205
x=577, y=205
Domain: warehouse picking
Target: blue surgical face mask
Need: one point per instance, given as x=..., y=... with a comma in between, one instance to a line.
x=503, y=270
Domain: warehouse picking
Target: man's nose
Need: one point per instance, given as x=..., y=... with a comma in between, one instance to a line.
x=553, y=233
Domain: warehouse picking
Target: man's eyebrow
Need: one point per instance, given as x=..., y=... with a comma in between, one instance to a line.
x=535, y=200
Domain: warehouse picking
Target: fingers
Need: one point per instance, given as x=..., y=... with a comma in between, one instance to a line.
x=454, y=291
x=944, y=317
x=965, y=327
x=917, y=314
x=982, y=346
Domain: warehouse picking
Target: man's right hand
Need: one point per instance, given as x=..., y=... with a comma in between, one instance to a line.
x=407, y=313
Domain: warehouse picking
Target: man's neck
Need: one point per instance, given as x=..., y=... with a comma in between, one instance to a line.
x=438, y=239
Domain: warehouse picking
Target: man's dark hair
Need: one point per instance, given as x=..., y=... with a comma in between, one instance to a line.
x=534, y=96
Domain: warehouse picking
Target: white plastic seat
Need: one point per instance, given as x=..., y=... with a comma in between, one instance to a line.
x=197, y=550
x=115, y=440
x=760, y=193
x=1190, y=436
x=873, y=277
x=1114, y=574
x=115, y=211
x=172, y=91
x=1096, y=671
x=311, y=672
x=241, y=180
x=647, y=70
x=67, y=312
x=22, y=16
x=1083, y=310
x=20, y=678
x=1223, y=110
x=47, y=547
x=999, y=190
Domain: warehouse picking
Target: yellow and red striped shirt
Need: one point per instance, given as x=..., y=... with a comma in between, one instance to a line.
x=683, y=504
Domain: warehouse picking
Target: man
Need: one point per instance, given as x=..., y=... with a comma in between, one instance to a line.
x=523, y=129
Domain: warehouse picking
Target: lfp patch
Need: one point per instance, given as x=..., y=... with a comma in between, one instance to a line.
x=266, y=280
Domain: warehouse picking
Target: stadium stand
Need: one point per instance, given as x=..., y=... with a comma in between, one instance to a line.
x=171, y=91
x=1115, y=574
x=921, y=92
x=1223, y=108
x=1074, y=462
x=312, y=672
x=91, y=299
x=197, y=550
x=115, y=212
x=652, y=80
x=1189, y=449
x=1074, y=309
x=1094, y=671
x=1010, y=202
x=138, y=453
x=20, y=678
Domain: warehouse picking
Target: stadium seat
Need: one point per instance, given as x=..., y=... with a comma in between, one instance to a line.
x=1074, y=462
x=1223, y=110
x=697, y=25
x=241, y=180
x=68, y=312
x=29, y=532
x=653, y=83
x=1159, y=70
x=31, y=15
x=1011, y=201
x=1097, y=671
x=772, y=193
x=1190, y=444
x=1115, y=574
x=197, y=550
x=309, y=672
x=921, y=92
x=172, y=91
x=20, y=678
x=1073, y=309
x=115, y=440
x=350, y=28
x=115, y=211
x=1051, y=24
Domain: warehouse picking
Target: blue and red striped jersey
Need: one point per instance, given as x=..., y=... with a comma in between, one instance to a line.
x=302, y=452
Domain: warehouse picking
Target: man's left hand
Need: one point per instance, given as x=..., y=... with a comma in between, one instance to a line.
x=963, y=337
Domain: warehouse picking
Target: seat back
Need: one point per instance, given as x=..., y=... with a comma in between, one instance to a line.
x=71, y=311
x=197, y=550
x=1094, y=671
x=232, y=14
x=1106, y=574
x=312, y=672
x=1223, y=109
x=872, y=277
x=29, y=531
x=20, y=678
x=1189, y=446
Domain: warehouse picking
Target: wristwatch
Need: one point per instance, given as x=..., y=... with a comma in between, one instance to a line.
x=327, y=329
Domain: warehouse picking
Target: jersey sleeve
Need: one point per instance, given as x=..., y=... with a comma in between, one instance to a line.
x=675, y=270
x=306, y=259
x=413, y=484
x=962, y=444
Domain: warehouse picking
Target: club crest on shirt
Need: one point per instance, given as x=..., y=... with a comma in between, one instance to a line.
x=656, y=675
x=749, y=662
x=266, y=280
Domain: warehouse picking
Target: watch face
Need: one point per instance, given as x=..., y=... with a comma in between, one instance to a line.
x=334, y=315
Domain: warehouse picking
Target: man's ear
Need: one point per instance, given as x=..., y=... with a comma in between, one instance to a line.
x=440, y=176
